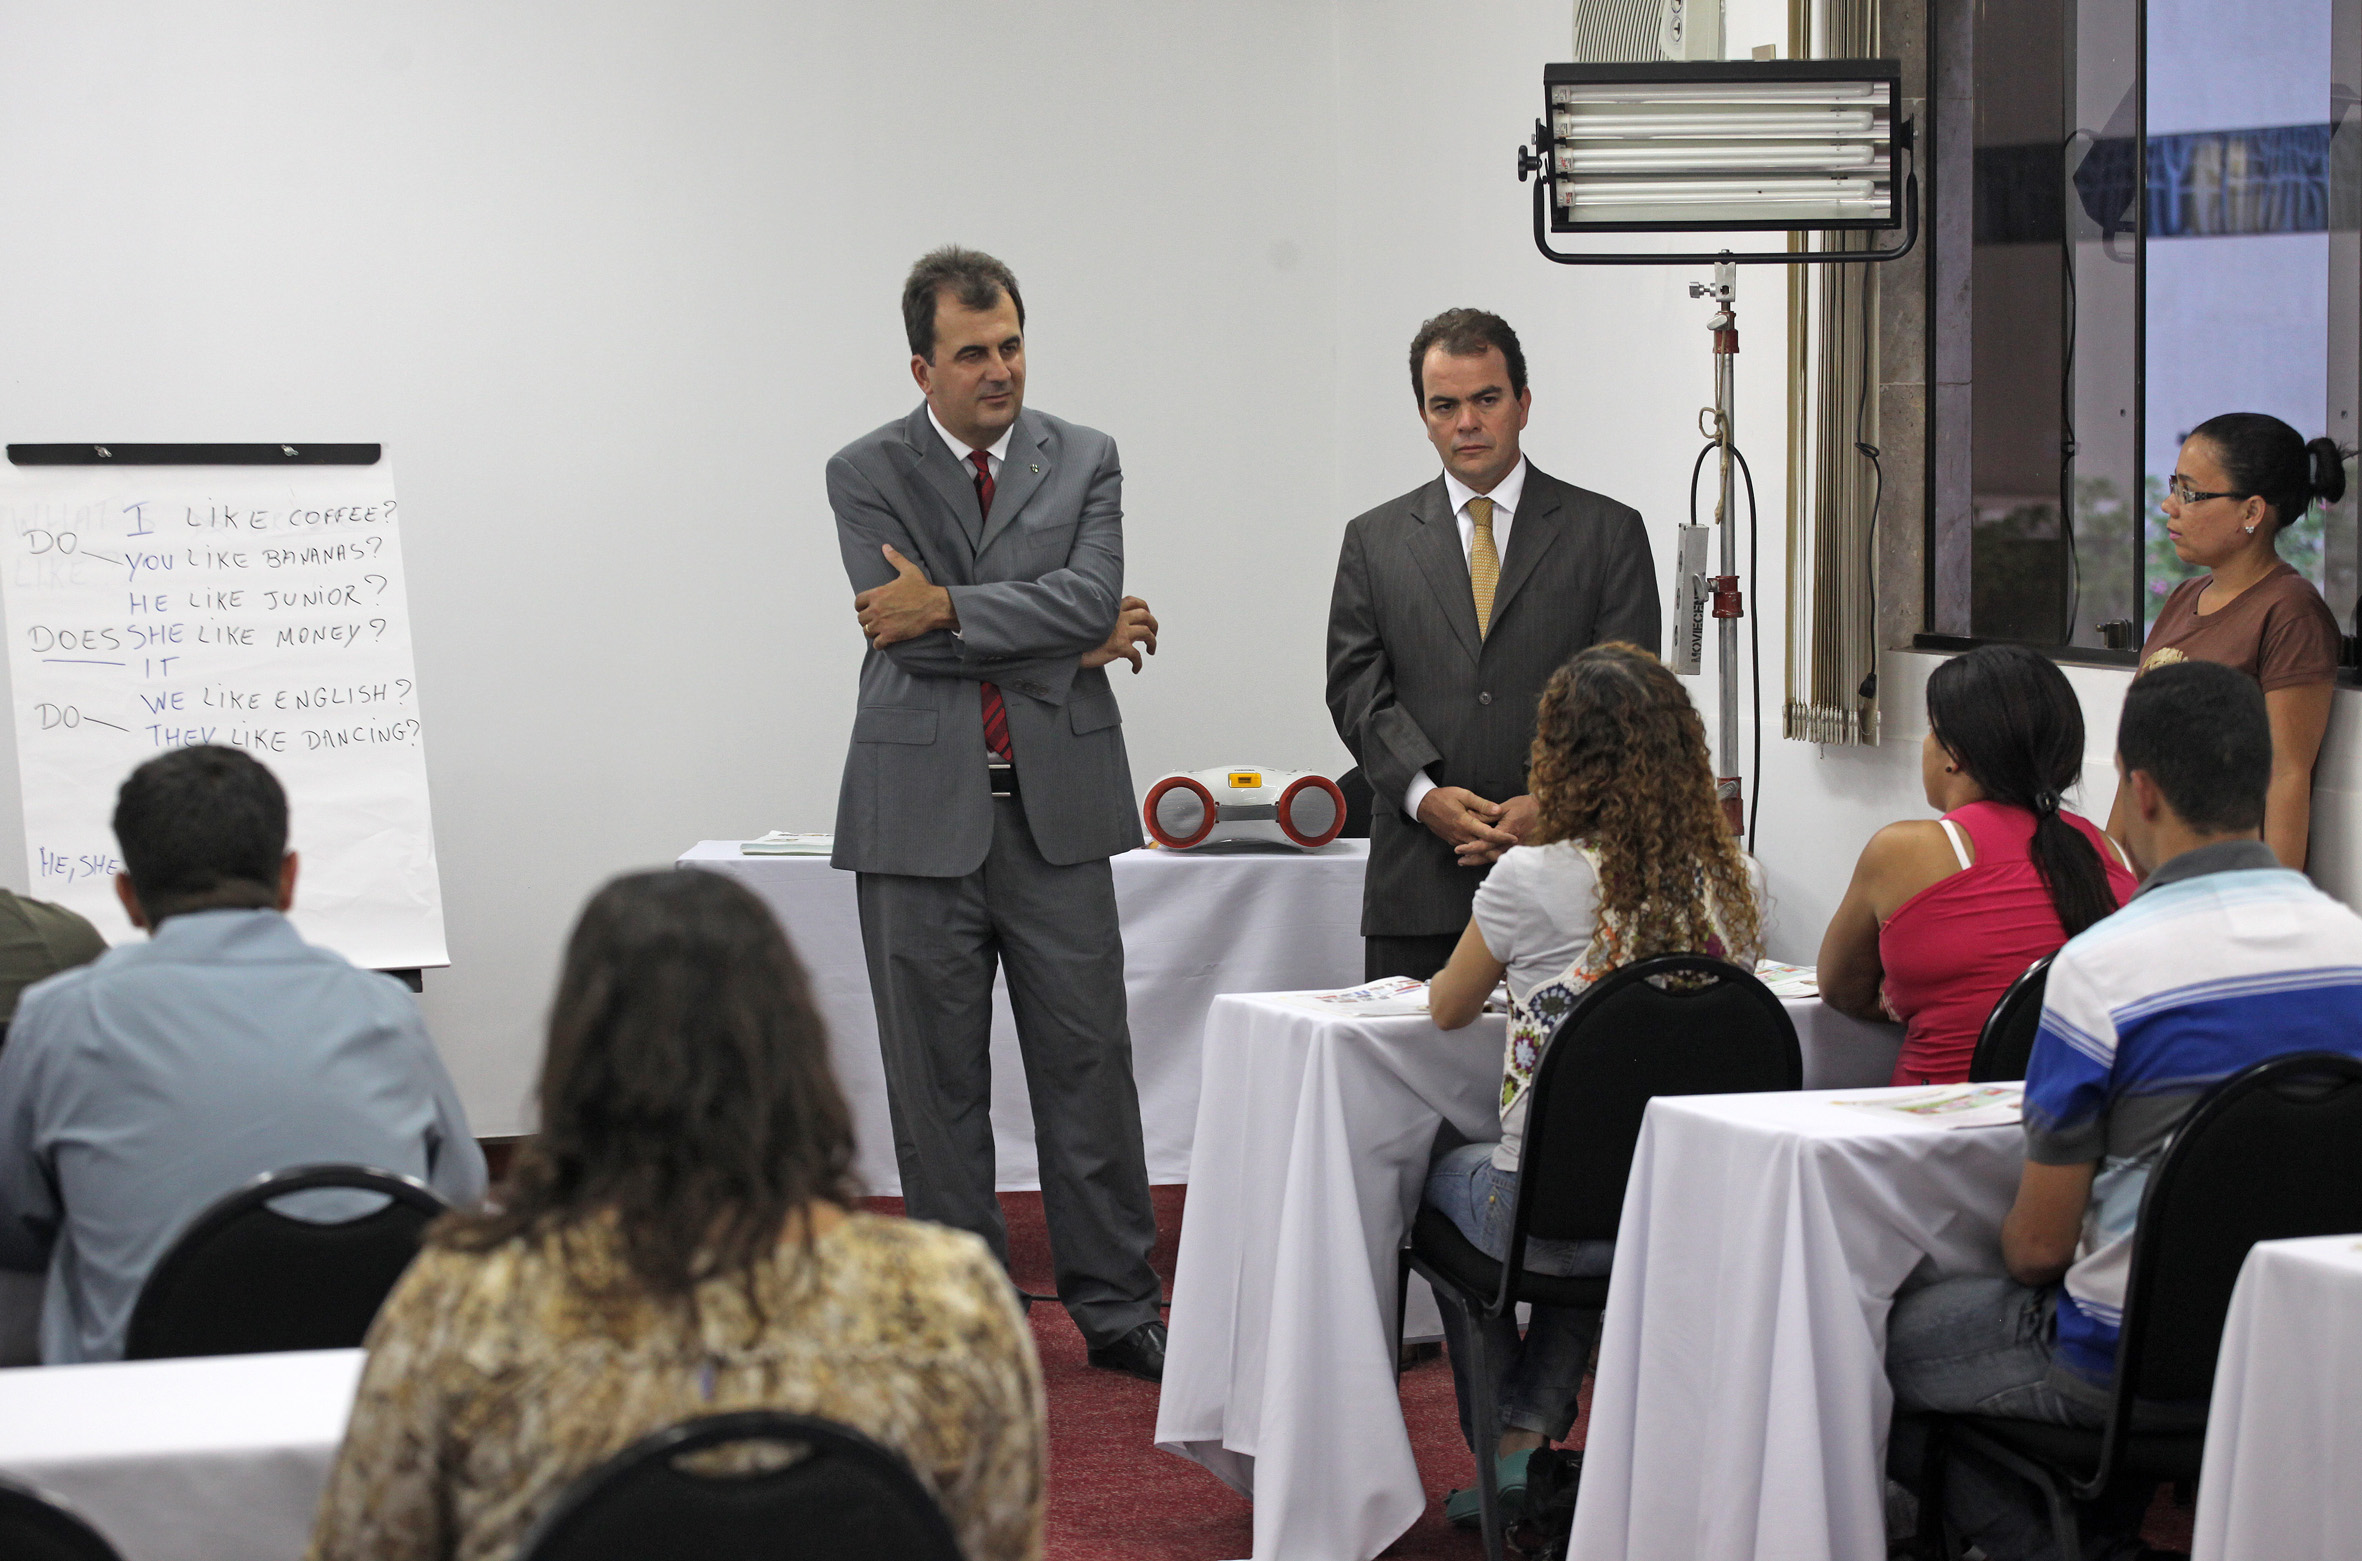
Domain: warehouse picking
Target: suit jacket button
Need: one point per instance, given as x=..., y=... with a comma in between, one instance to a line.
x=1484, y=699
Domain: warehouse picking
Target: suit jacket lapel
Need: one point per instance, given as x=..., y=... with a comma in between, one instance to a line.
x=1023, y=471
x=1536, y=526
x=1435, y=543
x=952, y=483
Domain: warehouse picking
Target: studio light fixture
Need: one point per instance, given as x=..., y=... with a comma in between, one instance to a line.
x=1721, y=146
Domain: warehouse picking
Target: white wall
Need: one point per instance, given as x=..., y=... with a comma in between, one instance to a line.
x=610, y=281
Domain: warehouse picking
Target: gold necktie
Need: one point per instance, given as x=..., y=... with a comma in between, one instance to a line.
x=1484, y=563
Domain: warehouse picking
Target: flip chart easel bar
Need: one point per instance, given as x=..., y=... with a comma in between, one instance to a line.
x=194, y=454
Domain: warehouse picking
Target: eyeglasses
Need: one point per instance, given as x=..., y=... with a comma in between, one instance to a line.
x=2183, y=493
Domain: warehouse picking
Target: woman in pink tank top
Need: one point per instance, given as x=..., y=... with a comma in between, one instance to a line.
x=1943, y=915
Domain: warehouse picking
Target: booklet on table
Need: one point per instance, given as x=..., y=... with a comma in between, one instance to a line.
x=1954, y=1105
x=1393, y=997
x=1788, y=980
x=789, y=842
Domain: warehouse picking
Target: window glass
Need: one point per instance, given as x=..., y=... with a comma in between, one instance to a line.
x=2166, y=205
x=2238, y=255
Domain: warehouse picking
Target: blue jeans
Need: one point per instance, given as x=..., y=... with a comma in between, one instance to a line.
x=1982, y=1344
x=1542, y=1373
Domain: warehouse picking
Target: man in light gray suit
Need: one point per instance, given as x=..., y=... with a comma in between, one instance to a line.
x=987, y=786
x=1453, y=605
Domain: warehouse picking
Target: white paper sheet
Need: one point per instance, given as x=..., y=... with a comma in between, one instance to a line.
x=1954, y=1105
x=1389, y=997
x=152, y=607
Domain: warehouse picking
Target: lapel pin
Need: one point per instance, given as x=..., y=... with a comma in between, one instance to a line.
x=1036, y=470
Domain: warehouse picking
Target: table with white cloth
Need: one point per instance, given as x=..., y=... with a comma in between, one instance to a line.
x=1741, y=1403
x=2284, y=1435
x=220, y=1458
x=1314, y=1132
x=1195, y=923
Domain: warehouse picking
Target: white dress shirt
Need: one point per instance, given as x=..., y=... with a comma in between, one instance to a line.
x=998, y=451
x=1506, y=495
x=964, y=452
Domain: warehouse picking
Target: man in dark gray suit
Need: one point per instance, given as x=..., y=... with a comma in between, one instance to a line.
x=987, y=786
x=1453, y=605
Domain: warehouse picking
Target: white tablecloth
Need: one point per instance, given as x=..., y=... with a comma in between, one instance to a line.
x=1195, y=923
x=1741, y=1405
x=1314, y=1133
x=216, y=1459
x=2284, y=1438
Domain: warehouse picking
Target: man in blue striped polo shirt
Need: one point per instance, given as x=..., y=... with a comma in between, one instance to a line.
x=2223, y=959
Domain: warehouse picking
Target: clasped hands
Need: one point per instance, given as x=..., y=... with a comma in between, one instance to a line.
x=908, y=606
x=1477, y=831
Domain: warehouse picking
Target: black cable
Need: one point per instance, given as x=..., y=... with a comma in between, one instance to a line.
x=2067, y=443
x=1754, y=642
x=1868, y=688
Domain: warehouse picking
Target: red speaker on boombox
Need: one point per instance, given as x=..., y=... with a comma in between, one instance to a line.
x=1277, y=807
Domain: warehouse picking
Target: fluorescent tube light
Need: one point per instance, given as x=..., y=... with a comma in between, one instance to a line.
x=1723, y=145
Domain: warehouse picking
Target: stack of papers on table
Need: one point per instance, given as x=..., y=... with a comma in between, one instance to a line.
x=1954, y=1105
x=1788, y=980
x=789, y=842
x=1394, y=997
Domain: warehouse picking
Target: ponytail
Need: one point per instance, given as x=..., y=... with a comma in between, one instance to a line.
x=2328, y=470
x=2070, y=869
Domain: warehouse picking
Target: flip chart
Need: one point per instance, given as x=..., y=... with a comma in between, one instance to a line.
x=258, y=607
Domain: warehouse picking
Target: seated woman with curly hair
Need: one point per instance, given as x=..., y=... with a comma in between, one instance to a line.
x=1631, y=858
x=679, y=1241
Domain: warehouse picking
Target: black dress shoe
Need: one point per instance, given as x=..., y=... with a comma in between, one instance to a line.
x=1140, y=1353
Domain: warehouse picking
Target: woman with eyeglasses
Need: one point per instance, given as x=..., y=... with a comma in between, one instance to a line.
x=2240, y=480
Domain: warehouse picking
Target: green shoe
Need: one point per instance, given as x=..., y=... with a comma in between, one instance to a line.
x=1465, y=1509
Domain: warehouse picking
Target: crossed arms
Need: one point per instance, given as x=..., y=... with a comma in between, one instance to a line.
x=1073, y=616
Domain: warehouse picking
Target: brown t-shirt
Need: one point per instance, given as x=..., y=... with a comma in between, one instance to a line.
x=2278, y=631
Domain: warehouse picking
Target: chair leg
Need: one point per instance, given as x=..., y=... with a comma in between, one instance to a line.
x=2066, y=1528
x=1402, y=1298
x=1931, y=1538
x=1484, y=1414
x=2066, y=1532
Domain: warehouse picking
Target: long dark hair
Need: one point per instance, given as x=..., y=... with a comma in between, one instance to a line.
x=685, y=1093
x=2265, y=457
x=2007, y=714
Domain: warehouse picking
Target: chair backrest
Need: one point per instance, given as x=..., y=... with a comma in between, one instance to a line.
x=2007, y=1039
x=827, y=1492
x=245, y=1278
x=1678, y=1024
x=2271, y=1152
x=38, y=1527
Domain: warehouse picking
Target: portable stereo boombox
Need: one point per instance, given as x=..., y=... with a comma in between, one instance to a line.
x=1281, y=807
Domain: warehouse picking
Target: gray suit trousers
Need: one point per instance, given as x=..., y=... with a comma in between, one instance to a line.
x=932, y=945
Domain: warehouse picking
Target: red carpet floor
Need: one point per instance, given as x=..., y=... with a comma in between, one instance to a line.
x=1114, y=1497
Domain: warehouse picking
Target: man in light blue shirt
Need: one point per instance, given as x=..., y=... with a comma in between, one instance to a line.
x=137, y=1091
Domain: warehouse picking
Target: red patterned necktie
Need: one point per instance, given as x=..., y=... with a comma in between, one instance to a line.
x=996, y=714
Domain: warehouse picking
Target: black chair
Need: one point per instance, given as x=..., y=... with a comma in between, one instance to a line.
x=1355, y=787
x=245, y=1278
x=1679, y=1024
x=2007, y=1039
x=2273, y=1151
x=36, y=1527
x=838, y=1494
